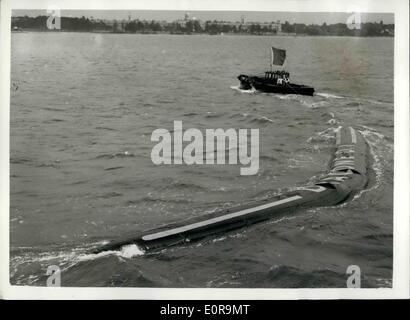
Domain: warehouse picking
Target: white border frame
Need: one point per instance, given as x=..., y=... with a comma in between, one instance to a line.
x=401, y=151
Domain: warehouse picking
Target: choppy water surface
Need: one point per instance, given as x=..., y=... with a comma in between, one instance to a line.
x=83, y=107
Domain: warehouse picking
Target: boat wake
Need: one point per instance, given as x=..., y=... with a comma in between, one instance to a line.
x=374, y=140
x=127, y=251
x=328, y=95
x=325, y=99
x=64, y=258
x=325, y=136
x=237, y=88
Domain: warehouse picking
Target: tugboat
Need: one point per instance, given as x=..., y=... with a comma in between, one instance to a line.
x=274, y=81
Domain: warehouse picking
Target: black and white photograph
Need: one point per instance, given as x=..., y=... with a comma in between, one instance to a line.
x=183, y=148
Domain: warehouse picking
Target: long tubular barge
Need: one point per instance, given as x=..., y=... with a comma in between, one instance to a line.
x=346, y=176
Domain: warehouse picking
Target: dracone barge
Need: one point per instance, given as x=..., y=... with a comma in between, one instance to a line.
x=346, y=176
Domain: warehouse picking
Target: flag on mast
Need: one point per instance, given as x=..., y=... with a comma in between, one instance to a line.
x=278, y=56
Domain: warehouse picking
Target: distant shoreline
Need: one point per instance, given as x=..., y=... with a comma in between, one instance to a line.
x=189, y=26
x=299, y=35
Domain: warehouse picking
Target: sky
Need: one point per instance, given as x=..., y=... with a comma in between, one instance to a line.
x=250, y=16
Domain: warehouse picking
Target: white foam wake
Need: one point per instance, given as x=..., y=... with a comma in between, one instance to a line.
x=328, y=95
x=67, y=259
x=237, y=88
x=127, y=251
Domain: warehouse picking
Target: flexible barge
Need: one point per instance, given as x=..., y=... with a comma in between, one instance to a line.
x=346, y=176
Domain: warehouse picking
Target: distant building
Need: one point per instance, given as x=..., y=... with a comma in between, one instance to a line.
x=162, y=23
x=187, y=18
x=274, y=26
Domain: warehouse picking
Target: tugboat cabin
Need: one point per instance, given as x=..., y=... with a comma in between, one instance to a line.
x=277, y=77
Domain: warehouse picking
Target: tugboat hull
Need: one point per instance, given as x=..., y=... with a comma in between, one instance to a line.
x=264, y=85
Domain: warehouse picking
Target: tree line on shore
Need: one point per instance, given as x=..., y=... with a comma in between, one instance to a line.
x=209, y=27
